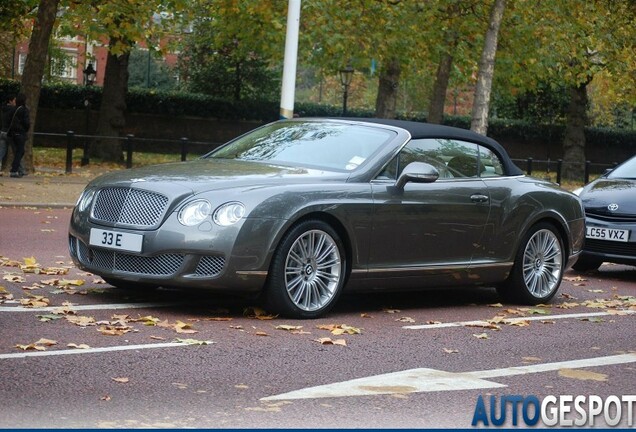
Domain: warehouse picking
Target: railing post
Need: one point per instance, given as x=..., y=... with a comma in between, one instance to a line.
x=184, y=148
x=559, y=168
x=586, y=178
x=69, y=151
x=129, y=150
x=529, y=166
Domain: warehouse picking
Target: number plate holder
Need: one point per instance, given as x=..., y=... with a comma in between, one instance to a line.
x=116, y=240
x=609, y=234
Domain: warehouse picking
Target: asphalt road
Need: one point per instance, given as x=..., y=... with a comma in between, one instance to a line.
x=174, y=359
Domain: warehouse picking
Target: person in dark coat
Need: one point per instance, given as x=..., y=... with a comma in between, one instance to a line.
x=18, y=132
x=8, y=109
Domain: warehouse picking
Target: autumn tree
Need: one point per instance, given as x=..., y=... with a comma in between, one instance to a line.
x=569, y=44
x=123, y=23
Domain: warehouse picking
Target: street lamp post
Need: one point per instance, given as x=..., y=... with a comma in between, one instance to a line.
x=89, y=78
x=346, y=75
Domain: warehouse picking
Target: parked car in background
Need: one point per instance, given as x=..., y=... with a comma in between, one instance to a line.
x=610, y=215
x=298, y=211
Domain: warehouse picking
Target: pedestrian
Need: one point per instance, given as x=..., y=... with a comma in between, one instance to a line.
x=8, y=109
x=18, y=129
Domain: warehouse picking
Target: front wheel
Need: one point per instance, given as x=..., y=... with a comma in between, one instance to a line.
x=307, y=271
x=538, y=268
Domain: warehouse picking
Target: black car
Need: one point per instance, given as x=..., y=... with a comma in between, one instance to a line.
x=610, y=217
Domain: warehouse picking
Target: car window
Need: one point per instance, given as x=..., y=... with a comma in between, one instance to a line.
x=451, y=158
x=491, y=163
x=326, y=145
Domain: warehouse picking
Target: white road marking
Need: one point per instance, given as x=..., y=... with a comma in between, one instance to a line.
x=91, y=350
x=429, y=380
x=85, y=307
x=517, y=319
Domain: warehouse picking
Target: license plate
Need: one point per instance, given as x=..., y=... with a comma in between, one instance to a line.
x=116, y=240
x=607, y=234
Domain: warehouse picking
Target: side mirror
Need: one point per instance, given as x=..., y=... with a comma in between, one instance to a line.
x=417, y=172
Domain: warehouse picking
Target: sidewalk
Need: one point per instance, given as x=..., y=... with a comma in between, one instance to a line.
x=46, y=187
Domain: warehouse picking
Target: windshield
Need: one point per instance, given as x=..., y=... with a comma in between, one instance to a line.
x=326, y=145
x=626, y=170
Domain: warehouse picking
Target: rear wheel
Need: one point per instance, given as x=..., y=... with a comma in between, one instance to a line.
x=307, y=272
x=586, y=264
x=538, y=268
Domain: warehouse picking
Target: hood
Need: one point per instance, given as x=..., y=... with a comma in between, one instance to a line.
x=598, y=195
x=211, y=174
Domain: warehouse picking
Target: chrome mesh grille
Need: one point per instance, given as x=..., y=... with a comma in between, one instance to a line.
x=210, y=265
x=129, y=206
x=160, y=265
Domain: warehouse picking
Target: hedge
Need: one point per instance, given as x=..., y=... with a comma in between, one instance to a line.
x=70, y=96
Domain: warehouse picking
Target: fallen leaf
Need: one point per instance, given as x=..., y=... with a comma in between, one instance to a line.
x=531, y=359
x=538, y=312
x=483, y=324
x=76, y=346
x=261, y=333
x=14, y=278
x=288, y=327
x=340, y=329
x=46, y=342
x=450, y=351
x=184, y=328
x=105, y=398
x=497, y=305
x=121, y=380
x=406, y=320
x=482, y=336
x=49, y=317
x=596, y=291
x=35, y=302
x=109, y=330
x=194, y=341
x=391, y=311
x=365, y=315
x=329, y=341
x=31, y=347
x=219, y=319
x=582, y=375
x=258, y=313
x=521, y=323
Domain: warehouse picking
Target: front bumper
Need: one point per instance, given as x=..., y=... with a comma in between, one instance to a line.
x=611, y=251
x=233, y=259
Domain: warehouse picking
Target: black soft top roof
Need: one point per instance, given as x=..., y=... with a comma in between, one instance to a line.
x=427, y=130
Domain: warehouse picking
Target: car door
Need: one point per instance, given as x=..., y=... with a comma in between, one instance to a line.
x=429, y=228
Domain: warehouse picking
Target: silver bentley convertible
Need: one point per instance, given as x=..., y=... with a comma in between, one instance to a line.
x=297, y=211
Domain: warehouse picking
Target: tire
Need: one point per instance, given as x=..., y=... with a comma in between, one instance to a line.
x=308, y=271
x=538, y=268
x=584, y=264
x=131, y=286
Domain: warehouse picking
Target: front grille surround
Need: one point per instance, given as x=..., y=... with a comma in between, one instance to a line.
x=128, y=207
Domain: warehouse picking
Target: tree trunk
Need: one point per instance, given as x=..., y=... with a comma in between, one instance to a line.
x=438, y=98
x=386, y=100
x=574, y=139
x=112, y=110
x=481, y=101
x=34, y=67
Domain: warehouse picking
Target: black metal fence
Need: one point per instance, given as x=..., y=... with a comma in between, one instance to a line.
x=184, y=146
x=130, y=143
x=550, y=167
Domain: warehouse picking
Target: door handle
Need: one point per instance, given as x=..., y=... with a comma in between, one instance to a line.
x=479, y=198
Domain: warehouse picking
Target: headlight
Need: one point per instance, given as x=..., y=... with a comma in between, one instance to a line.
x=229, y=213
x=85, y=199
x=195, y=212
